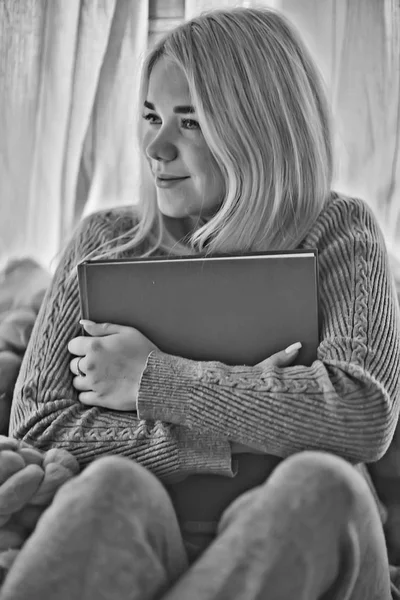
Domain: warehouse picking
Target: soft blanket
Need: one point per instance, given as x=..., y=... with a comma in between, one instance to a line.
x=29, y=479
x=22, y=287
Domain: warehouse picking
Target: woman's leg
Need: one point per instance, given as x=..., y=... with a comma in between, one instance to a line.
x=110, y=533
x=311, y=532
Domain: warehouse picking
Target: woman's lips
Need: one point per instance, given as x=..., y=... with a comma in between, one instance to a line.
x=167, y=183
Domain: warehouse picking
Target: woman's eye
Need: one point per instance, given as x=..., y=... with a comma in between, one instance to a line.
x=152, y=119
x=190, y=124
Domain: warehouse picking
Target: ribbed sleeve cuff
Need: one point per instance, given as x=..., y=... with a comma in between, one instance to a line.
x=165, y=388
x=164, y=396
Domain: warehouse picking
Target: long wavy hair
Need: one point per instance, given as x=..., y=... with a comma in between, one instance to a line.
x=263, y=112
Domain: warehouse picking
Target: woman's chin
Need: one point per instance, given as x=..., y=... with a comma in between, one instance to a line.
x=173, y=209
x=179, y=224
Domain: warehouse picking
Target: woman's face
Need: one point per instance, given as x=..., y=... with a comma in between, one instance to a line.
x=189, y=183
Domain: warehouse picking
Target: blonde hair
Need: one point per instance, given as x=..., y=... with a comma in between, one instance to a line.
x=263, y=112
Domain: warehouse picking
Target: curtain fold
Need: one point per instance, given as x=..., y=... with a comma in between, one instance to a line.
x=114, y=157
x=68, y=82
x=356, y=45
x=195, y=7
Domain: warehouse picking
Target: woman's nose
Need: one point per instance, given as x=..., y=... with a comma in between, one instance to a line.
x=161, y=148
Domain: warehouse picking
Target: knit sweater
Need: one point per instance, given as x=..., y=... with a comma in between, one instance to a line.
x=189, y=412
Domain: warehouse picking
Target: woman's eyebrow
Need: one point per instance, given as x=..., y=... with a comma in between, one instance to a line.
x=181, y=109
x=184, y=109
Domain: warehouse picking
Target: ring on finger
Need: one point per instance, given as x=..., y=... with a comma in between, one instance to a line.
x=81, y=373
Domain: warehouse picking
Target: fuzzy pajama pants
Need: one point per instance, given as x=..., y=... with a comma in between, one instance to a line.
x=311, y=532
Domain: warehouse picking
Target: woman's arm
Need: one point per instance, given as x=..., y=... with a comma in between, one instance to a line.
x=347, y=402
x=47, y=413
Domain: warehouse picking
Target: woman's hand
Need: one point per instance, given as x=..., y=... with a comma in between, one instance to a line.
x=284, y=358
x=109, y=365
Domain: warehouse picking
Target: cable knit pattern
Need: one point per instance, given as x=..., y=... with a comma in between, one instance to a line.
x=46, y=411
x=347, y=402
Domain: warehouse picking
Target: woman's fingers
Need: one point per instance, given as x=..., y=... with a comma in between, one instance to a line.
x=90, y=398
x=81, y=384
x=80, y=345
x=100, y=329
x=284, y=358
x=77, y=365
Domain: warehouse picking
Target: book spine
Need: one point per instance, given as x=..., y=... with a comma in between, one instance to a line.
x=83, y=294
x=319, y=309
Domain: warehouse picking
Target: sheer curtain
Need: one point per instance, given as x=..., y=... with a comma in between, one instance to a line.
x=194, y=7
x=356, y=43
x=68, y=82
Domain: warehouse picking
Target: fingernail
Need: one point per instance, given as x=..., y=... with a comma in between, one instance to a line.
x=293, y=348
x=86, y=322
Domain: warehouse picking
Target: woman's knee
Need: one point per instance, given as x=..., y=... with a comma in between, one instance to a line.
x=306, y=487
x=323, y=477
x=313, y=461
x=119, y=477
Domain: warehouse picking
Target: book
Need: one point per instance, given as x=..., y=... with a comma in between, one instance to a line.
x=234, y=309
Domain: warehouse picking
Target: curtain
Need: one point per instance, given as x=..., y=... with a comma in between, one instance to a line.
x=68, y=83
x=356, y=44
x=195, y=7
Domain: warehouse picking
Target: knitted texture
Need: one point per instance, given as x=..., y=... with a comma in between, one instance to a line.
x=347, y=402
x=29, y=480
x=46, y=411
x=22, y=286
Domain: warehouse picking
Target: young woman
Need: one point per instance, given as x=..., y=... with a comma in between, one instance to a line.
x=236, y=137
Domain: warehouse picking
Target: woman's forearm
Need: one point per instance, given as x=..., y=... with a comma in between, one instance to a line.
x=169, y=451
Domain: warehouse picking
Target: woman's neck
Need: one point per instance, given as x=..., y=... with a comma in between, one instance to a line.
x=181, y=228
